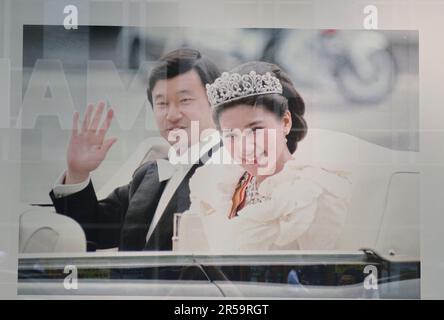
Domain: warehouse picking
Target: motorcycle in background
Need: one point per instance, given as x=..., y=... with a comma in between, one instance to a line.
x=358, y=64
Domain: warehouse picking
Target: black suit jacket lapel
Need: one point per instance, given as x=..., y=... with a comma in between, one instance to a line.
x=142, y=206
x=161, y=238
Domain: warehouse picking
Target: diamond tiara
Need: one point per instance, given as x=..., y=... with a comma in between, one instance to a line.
x=233, y=86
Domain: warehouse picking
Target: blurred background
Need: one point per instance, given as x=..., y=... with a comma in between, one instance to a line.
x=361, y=82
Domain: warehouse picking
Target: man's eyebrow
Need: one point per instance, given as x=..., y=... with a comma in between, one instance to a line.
x=184, y=91
x=158, y=96
x=162, y=96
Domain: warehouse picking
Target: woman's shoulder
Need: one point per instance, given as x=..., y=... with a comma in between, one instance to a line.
x=323, y=179
x=214, y=183
x=214, y=173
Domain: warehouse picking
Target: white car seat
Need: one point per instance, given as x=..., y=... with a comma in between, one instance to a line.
x=42, y=230
x=384, y=208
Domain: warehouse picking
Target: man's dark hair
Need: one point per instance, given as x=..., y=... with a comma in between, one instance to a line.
x=181, y=61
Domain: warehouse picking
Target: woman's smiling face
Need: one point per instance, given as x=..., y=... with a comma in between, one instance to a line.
x=255, y=137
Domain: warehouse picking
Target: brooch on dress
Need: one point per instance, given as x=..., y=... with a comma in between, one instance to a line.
x=246, y=193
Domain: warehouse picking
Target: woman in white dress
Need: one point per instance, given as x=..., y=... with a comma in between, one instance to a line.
x=264, y=199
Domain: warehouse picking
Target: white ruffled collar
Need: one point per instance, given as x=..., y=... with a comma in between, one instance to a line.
x=215, y=183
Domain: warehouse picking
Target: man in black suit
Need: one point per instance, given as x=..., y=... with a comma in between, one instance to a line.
x=139, y=215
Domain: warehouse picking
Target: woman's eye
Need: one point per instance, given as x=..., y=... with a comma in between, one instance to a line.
x=230, y=136
x=256, y=128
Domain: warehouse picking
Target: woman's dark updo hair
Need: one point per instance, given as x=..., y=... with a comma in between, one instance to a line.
x=276, y=103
